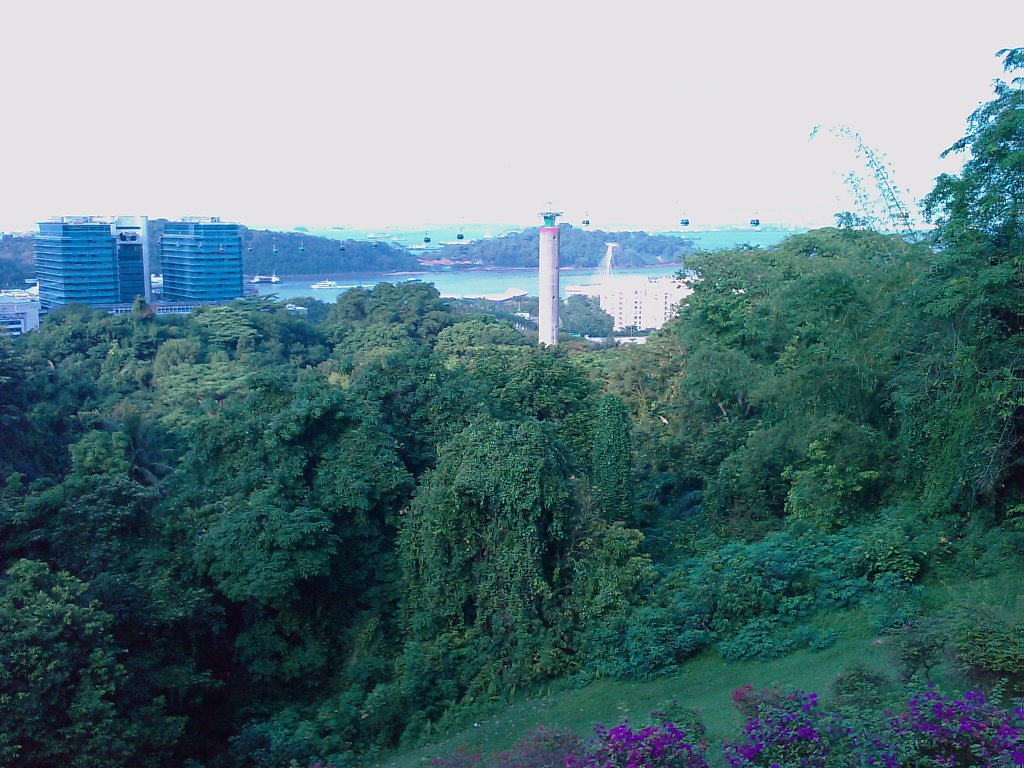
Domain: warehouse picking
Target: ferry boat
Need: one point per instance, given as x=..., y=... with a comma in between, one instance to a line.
x=324, y=284
x=265, y=278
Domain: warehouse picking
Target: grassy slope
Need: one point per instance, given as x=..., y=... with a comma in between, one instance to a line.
x=706, y=683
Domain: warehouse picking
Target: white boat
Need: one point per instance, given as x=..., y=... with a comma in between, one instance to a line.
x=324, y=284
x=265, y=278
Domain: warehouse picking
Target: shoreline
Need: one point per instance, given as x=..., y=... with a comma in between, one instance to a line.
x=478, y=270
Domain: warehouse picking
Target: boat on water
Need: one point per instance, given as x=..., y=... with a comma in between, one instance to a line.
x=324, y=284
x=265, y=278
x=413, y=280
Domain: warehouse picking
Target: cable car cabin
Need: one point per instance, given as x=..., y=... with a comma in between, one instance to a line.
x=684, y=222
x=586, y=222
x=302, y=247
x=341, y=246
x=249, y=249
x=426, y=239
x=460, y=236
x=755, y=222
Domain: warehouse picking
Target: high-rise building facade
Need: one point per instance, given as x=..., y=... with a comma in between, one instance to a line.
x=201, y=260
x=131, y=238
x=76, y=261
x=91, y=261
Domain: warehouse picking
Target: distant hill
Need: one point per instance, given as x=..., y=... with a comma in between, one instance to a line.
x=578, y=248
x=302, y=254
x=17, y=260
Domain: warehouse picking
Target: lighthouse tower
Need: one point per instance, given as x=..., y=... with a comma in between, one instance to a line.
x=547, y=279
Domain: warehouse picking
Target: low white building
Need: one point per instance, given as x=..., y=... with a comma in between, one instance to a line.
x=635, y=301
x=18, y=315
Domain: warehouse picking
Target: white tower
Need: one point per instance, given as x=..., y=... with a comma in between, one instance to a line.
x=547, y=279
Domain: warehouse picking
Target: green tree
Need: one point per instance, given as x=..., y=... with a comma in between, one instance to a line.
x=543, y=384
x=482, y=547
x=476, y=336
x=783, y=351
x=583, y=316
x=416, y=307
x=102, y=529
x=226, y=326
x=308, y=487
x=64, y=689
x=611, y=461
x=961, y=391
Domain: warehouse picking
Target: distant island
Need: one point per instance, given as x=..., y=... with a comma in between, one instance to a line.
x=299, y=253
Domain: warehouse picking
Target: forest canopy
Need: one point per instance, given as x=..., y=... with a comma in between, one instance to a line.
x=250, y=538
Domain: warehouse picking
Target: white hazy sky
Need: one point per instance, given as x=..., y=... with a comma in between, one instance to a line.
x=375, y=112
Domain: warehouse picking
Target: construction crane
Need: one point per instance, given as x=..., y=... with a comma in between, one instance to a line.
x=888, y=197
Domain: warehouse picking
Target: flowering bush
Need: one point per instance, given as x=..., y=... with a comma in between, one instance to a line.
x=657, y=746
x=792, y=730
x=748, y=700
x=968, y=731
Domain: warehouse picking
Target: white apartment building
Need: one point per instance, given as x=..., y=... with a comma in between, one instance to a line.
x=634, y=300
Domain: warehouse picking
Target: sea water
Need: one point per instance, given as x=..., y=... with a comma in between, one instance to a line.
x=471, y=283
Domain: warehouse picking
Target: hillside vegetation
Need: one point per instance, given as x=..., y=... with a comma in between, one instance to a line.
x=248, y=538
x=577, y=248
x=17, y=260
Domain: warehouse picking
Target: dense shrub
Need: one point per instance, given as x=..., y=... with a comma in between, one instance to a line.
x=989, y=649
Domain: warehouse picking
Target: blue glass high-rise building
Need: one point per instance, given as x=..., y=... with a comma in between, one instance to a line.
x=76, y=261
x=91, y=261
x=201, y=261
x=131, y=241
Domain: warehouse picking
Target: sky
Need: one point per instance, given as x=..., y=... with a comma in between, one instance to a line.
x=367, y=114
